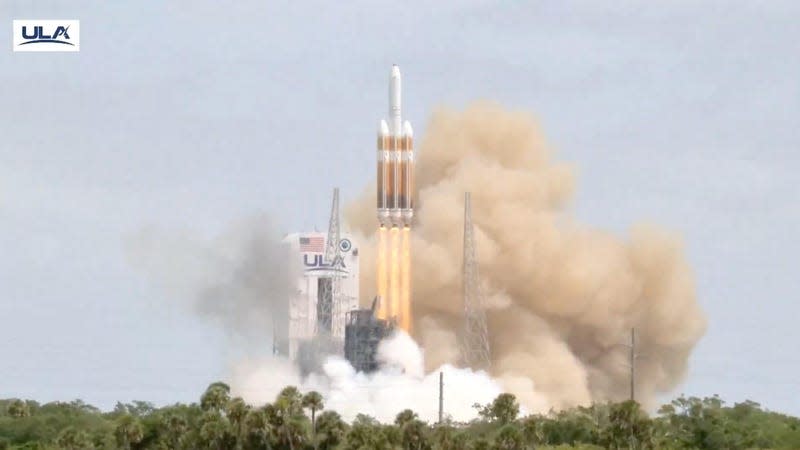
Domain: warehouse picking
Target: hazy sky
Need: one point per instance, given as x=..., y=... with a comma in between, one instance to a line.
x=190, y=115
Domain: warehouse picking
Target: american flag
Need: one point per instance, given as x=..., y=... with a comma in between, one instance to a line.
x=315, y=244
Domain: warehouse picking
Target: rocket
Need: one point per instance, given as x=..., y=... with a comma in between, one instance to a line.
x=395, y=162
x=395, y=210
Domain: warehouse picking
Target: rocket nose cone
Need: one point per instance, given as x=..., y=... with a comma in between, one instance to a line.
x=395, y=71
x=383, y=128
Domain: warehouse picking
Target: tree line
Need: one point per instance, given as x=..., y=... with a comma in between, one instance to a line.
x=299, y=421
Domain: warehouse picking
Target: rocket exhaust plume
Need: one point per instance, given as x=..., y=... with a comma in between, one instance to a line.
x=405, y=279
x=394, y=273
x=561, y=297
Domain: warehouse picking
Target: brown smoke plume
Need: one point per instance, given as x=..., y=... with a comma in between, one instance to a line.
x=561, y=296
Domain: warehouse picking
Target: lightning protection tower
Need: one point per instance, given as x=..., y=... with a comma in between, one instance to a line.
x=475, y=340
x=330, y=311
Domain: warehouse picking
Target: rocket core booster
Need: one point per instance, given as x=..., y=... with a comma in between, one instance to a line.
x=395, y=162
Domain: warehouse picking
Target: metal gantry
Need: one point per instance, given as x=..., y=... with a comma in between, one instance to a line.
x=475, y=340
x=330, y=311
x=363, y=334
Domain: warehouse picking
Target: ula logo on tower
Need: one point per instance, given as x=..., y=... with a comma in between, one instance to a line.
x=47, y=35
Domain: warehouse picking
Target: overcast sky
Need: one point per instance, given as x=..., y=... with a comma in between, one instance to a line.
x=191, y=115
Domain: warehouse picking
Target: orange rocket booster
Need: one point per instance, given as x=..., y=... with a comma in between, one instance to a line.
x=395, y=163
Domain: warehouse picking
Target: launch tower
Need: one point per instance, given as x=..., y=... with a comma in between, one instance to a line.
x=325, y=291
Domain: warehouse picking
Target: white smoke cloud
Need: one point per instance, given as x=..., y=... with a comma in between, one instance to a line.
x=401, y=383
x=239, y=281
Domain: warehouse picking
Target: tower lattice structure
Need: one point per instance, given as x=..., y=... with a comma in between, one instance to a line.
x=475, y=340
x=330, y=309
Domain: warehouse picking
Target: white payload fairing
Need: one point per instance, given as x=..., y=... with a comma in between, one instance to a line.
x=395, y=162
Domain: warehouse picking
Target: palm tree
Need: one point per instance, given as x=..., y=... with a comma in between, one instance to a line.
x=174, y=428
x=404, y=416
x=366, y=433
x=628, y=426
x=293, y=433
x=393, y=435
x=258, y=431
x=290, y=401
x=215, y=397
x=414, y=435
x=313, y=401
x=128, y=431
x=285, y=416
x=18, y=408
x=532, y=430
x=73, y=439
x=480, y=444
x=289, y=431
x=215, y=431
x=509, y=438
x=332, y=429
x=237, y=410
x=447, y=438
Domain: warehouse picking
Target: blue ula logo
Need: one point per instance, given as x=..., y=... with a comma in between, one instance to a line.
x=37, y=35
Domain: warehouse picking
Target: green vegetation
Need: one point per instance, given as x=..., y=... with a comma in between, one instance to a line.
x=297, y=421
